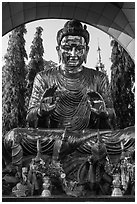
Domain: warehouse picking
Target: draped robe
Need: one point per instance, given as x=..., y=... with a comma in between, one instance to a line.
x=72, y=110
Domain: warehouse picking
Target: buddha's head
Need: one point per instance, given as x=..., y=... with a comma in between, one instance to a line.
x=72, y=47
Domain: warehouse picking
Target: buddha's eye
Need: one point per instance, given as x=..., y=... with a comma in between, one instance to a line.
x=80, y=48
x=66, y=47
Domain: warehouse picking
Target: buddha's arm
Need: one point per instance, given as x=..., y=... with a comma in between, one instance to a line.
x=39, y=87
x=102, y=88
x=102, y=84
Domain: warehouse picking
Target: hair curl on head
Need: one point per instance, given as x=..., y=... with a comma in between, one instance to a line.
x=74, y=28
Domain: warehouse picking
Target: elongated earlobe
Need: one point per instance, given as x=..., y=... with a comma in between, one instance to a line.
x=85, y=59
x=59, y=59
x=86, y=53
x=59, y=55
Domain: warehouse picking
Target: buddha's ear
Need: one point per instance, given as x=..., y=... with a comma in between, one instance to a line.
x=59, y=53
x=85, y=54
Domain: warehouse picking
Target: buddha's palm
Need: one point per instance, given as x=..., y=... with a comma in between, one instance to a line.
x=97, y=103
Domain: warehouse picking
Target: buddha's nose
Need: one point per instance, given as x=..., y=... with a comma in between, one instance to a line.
x=73, y=52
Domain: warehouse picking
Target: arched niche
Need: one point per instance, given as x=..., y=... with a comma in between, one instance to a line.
x=115, y=18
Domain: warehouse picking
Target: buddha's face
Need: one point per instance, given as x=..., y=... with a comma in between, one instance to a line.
x=72, y=51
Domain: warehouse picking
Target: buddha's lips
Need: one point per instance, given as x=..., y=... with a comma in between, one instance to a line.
x=73, y=61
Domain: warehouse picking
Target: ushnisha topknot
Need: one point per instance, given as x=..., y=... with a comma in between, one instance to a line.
x=73, y=27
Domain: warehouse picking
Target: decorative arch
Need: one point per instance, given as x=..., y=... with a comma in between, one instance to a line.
x=115, y=18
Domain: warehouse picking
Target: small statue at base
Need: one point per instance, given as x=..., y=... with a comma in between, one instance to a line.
x=116, y=185
x=46, y=187
x=22, y=189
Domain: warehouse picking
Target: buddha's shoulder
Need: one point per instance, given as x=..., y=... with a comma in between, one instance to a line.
x=48, y=70
x=93, y=72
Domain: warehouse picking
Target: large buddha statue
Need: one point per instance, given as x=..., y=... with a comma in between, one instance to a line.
x=67, y=113
x=62, y=96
